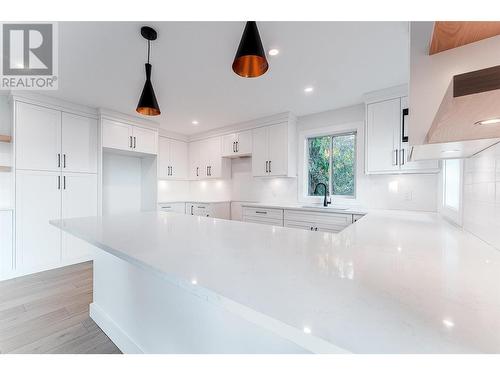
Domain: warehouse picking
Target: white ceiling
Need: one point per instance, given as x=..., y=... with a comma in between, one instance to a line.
x=102, y=65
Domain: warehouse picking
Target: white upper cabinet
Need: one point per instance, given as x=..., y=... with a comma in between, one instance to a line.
x=79, y=143
x=237, y=144
x=273, y=151
x=172, y=159
x=194, y=172
x=387, y=145
x=145, y=140
x=116, y=135
x=122, y=136
x=51, y=140
x=206, y=161
x=382, y=136
x=37, y=137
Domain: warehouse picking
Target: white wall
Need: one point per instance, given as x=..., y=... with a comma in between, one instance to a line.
x=412, y=192
x=481, y=195
x=122, y=181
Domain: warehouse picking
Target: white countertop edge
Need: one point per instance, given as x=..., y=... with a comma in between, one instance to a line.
x=309, y=342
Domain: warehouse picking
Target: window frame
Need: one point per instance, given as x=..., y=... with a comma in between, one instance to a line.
x=330, y=179
x=303, y=160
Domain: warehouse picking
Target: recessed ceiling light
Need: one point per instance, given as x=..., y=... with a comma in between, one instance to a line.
x=489, y=122
x=307, y=330
x=449, y=151
x=273, y=52
x=194, y=122
x=309, y=89
x=194, y=281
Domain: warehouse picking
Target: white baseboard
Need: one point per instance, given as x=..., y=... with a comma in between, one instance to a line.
x=113, y=331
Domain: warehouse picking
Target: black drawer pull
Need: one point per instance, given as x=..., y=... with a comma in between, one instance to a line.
x=261, y=212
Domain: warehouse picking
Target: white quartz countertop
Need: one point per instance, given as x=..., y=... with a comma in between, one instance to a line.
x=308, y=207
x=393, y=282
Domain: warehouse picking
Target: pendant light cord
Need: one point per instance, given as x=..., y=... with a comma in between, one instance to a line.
x=149, y=46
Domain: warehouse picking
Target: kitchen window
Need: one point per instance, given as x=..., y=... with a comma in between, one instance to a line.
x=332, y=161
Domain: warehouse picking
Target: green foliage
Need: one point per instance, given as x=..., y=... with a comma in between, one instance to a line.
x=319, y=163
x=342, y=168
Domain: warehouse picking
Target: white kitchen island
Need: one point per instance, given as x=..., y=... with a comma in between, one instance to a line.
x=393, y=282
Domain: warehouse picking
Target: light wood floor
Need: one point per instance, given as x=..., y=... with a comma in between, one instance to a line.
x=48, y=312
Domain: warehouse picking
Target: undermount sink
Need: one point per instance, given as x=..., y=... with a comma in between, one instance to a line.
x=325, y=208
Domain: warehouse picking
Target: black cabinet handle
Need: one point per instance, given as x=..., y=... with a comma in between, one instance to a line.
x=197, y=169
x=261, y=212
x=58, y=182
x=267, y=166
x=237, y=146
x=312, y=228
x=234, y=146
x=64, y=160
x=130, y=141
x=134, y=142
x=316, y=229
x=64, y=182
x=404, y=138
x=58, y=160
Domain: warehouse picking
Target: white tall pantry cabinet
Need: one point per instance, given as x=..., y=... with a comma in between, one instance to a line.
x=56, y=177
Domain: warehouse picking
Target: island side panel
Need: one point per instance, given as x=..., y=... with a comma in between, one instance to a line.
x=145, y=313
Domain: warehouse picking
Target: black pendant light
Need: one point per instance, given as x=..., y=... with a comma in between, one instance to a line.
x=147, y=103
x=250, y=60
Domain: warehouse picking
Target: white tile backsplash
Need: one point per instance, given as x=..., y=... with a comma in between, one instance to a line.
x=481, y=200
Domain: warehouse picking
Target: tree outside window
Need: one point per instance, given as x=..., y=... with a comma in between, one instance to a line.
x=332, y=161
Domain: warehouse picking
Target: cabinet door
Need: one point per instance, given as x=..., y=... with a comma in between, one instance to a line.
x=194, y=160
x=116, y=135
x=260, y=152
x=278, y=150
x=79, y=199
x=178, y=159
x=382, y=136
x=145, y=140
x=163, y=157
x=79, y=143
x=204, y=158
x=38, y=137
x=229, y=144
x=201, y=209
x=214, y=151
x=244, y=145
x=38, y=200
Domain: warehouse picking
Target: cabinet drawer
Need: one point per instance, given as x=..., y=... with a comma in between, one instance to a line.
x=263, y=220
x=271, y=213
x=172, y=207
x=315, y=227
x=327, y=218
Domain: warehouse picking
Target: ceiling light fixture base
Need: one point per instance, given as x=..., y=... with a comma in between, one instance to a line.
x=148, y=33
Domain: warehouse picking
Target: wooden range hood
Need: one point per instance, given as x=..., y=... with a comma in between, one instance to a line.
x=465, y=121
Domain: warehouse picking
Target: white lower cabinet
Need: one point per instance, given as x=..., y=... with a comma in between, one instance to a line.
x=6, y=244
x=219, y=210
x=271, y=216
x=79, y=199
x=316, y=221
x=38, y=200
x=43, y=196
x=299, y=219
